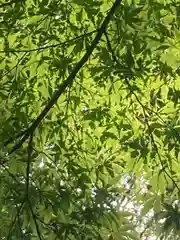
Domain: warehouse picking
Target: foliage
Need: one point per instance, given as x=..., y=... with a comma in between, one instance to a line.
x=89, y=94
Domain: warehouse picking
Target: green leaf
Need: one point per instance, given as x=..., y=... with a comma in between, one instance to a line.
x=157, y=204
x=148, y=205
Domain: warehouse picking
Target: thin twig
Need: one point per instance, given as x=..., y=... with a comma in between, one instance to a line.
x=10, y=174
x=30, y=149
x=10, y=70
x=49, y=226
x=49, y=46
x=11, y=139
x=20, y=225
x=14, y=220
x=35, y=221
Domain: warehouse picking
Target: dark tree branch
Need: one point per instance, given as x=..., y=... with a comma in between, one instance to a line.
x=70, y=79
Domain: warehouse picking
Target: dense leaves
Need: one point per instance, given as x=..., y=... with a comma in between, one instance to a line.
x=89, y=97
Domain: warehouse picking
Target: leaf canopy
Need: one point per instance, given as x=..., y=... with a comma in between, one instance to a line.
x=89, y=97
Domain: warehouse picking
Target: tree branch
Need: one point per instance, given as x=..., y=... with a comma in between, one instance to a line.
x=70, y=78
